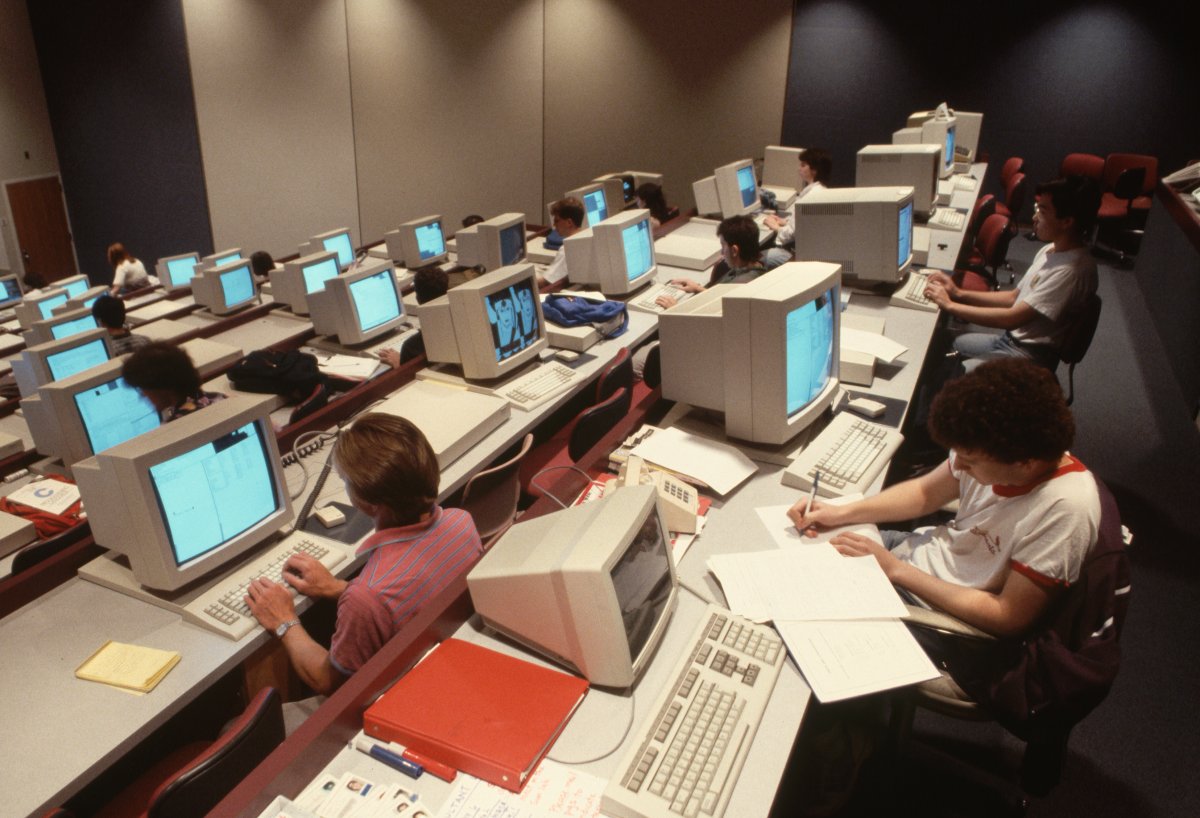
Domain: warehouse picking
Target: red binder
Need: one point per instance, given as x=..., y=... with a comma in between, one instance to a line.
x=488, y=714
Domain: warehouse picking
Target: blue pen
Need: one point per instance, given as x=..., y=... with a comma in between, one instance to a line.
x=393, y=760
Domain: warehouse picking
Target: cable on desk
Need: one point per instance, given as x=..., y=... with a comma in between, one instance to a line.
x=301, y=448
x=611, y=750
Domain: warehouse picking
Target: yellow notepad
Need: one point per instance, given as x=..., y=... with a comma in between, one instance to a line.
x=129, y=666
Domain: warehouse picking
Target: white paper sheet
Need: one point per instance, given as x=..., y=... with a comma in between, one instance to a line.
x=840, y=660
x=781, y=529
x=554, y=791
x=717, y=465
x=871, y=343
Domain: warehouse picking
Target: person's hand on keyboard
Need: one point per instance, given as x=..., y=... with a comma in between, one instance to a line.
x=270, y=603
x=390, y=357
x=311, y=578
x=938, y=293
x=774, y=222
x=687, y=285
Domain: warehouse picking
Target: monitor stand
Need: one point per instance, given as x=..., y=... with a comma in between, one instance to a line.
x=711, y=426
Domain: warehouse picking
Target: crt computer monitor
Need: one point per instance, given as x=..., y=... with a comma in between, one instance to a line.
x=617, y=255
x=190, y=496
x=63, y=325
x=86, y=413
x=938, y=131
x=867, y=230
x=176, y=272
x=418, y=243
x=592, y=586
x=296, y=280
x=492, y=244
x=335, y=241
x=359, y=306
x=10, y=291
x=83, y=301
x=595, y=203
x=74, y=285
x=917, y=166
x=765, y=352
x=46, y=306
x=30, y=309
x=491, y=325
x=219, y=259
x=619, y=191
x=226, y=289
x=737, y=188
x=55, y=360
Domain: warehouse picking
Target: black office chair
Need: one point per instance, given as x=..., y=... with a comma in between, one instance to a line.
x=1078, y=339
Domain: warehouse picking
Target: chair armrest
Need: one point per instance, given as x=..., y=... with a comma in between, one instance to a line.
x=939, y=621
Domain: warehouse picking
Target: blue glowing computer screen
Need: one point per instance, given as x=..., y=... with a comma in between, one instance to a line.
x=216, y=491
x=948, y=155
x=430, y=240
x=114, y=412
x=810, y=352
x=904, y=234
x=182, y=270
x=229, y=259
x=10, y=291
x=514, y=318
x=69, y=328
x=46, y=307
x=76, y=359
x=512, y=244
x=77, y=287
x=637, y=242
x=747, y=185
x=340, y=244
x=375, y=299
x=237, y=286
x=596, y=206
x=315, y=275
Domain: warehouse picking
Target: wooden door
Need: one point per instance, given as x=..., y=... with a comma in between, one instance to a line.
x=44, y=240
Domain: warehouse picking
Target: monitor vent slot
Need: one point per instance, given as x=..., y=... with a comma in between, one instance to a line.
x=833, y=209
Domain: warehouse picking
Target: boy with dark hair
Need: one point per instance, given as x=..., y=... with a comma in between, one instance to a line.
x=166, y=376
x=740, y=258
x=566, y=217
x=1028, y=511
x=418, y=548
x=1035, y=316
x=109, y=313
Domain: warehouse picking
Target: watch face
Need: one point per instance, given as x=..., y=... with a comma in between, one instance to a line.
x=282, y=628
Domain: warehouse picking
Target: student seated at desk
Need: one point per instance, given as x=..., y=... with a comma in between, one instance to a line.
x=566, y=217
x=128, y=272
x=816, y=165
x=740, y=259
x=650, y=197
x=1028, y=512
x=428, y=283
x=261, y=265
x=109, y=313
x=1035, y=316
x=165, y=375
x=418, y=548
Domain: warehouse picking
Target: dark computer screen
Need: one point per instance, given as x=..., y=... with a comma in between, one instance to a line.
x=76, y=359
x=375, y=299
x=512, y=244
x=642, y=581
x=810, y=352
x=114, y=412
x=513, y=315
x=213, y=493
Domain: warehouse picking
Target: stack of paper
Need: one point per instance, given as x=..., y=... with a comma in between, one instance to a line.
x=128, y=666
x=839, y=616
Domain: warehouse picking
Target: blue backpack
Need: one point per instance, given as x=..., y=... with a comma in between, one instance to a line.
x=610, y=318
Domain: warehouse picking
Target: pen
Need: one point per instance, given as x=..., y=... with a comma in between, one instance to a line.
x=436, y=768
x=388, y=757
x=812, y=493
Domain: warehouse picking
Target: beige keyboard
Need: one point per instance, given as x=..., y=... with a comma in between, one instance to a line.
x=911, y=294
x=685, y=758
x=947, y=218
x=539, y=385
x=647, y=301
x=964, y=181
x=849, y=454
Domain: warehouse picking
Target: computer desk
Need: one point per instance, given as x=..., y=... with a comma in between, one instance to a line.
x=71, y=731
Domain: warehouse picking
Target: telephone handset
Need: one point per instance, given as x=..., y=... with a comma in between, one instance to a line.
x=678, y=501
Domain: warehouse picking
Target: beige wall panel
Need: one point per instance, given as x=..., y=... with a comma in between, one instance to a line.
x=677, y=88
x=447, y=109
x=24, y=119
x=274, y=110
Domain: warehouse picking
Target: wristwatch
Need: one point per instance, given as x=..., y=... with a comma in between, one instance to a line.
x=282, y=627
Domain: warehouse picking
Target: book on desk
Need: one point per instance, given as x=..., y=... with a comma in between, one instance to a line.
x=490, y=715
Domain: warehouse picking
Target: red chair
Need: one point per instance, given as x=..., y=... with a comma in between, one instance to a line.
x=492, y=496
x=190, y=781
x=1128, y=184
x=1011, y=167
x=618, y=374
x=991, y=249
x=1014, y=198
x=1082, y=164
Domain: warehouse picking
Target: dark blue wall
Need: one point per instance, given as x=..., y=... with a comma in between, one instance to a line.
x=1050, y=77
x=119, y=91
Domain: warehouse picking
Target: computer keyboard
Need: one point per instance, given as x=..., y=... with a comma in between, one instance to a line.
x=533, y=388
x=965, y=181
x=223, y=609
x=849, y=454
x=647, y=301
x=686, y=757
x=911, y=294
x=947, y=218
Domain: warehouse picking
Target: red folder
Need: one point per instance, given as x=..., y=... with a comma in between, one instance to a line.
x=490, y=715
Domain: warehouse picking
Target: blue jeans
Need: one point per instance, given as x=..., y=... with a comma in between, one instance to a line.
x=977, y=347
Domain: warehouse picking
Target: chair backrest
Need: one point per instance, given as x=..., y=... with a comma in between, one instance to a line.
x=194, y=790
x=592, y=423
x=618, y=374
x=1082, y=164
x=992, y=240
x=1012, y=166
x=1081, y=331
x=1115, y=163
x=1130, y=184
x=31, y=555
x=985, y=206
x=1015, y=193
x=652, y=370
x=491, y=496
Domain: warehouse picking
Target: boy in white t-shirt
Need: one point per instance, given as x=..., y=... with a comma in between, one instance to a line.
x=1028, y=511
